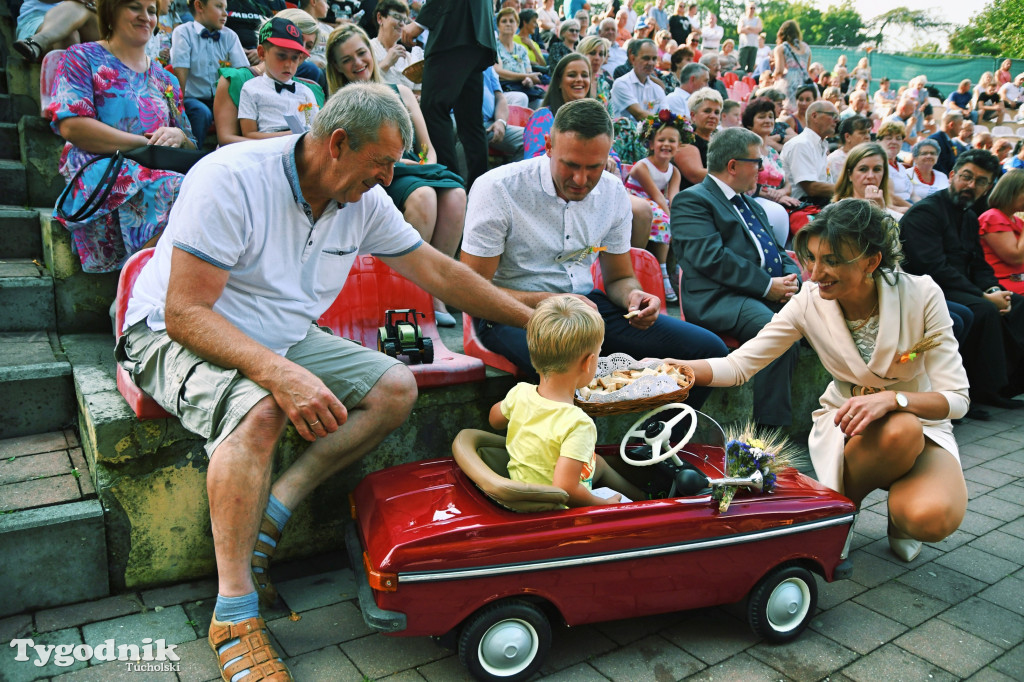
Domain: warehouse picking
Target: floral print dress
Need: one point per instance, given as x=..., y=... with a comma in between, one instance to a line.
x=93, y=83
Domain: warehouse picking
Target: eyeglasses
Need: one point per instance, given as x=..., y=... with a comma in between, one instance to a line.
x=600, y=54
x=758, y=161
x=400, y=18
x=969, y=178
x=572, y=30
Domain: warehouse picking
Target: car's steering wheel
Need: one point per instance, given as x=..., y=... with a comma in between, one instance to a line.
x=657, y=435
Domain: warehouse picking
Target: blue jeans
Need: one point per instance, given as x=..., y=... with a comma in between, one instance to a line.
x=200, y=116
x=667, y=337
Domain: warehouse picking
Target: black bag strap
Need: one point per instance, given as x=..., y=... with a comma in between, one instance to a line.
x=98, y=195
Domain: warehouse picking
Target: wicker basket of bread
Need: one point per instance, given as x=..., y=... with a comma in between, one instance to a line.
x=623, y=385
x=414, y=72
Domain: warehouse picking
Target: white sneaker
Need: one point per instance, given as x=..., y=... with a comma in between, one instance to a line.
x=670, y=294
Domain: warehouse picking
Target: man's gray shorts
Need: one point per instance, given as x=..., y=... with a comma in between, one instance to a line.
x=211, y=401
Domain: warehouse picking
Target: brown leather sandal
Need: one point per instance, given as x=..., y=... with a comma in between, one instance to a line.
x=264, y=588
x=254, y=651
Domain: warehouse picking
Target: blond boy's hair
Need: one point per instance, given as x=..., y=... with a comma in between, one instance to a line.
x=562, y=330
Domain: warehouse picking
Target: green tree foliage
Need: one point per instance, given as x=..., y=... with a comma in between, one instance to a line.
x=996, y=30
x=901, y=17
x=840, y=24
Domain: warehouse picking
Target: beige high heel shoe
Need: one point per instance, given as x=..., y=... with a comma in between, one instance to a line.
x=906, y=548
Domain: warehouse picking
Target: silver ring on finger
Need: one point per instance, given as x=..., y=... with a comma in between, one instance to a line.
x=312, y=424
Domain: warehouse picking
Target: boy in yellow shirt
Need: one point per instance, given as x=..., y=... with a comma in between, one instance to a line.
x=550, y=440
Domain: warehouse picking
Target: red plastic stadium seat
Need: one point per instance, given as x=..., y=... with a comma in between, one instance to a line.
x=519, y=116
x=142, y=405
x=749, y=80
x=373, y=288
x=647, y=270
x=728, y=78
x=47, y=75
x=471, y=344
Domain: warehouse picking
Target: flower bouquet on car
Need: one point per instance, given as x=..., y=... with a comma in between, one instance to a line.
x=758, y=457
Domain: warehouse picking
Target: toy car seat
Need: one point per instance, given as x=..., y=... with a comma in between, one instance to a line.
x=483, y=458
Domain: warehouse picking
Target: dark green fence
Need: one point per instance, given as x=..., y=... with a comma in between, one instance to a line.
x=944, y=72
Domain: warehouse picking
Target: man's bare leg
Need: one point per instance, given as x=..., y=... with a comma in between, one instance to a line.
x=237, y=483
x=382, y=410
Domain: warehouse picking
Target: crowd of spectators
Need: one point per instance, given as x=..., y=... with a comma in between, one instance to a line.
x=230, y=79
x=624, y=132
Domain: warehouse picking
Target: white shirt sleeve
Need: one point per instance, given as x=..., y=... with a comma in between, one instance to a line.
x=181, y=46
x=208, y=227
x=247, y=106
x=802, y=164
x=618, y=238
x=488, y=219
x=623, y=96
x=236, y=54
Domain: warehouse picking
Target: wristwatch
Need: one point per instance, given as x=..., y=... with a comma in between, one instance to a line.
x=901, y=401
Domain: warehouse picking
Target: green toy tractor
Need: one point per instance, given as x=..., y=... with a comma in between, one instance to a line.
x=400, y=335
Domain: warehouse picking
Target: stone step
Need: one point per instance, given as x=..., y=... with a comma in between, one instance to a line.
x=22, y=78
x=12, y=180
x=10, y=146
x=48, y=514
x=26, y=296
x=13, y=107
x=81, y=299
x=20, y=235
x=40, y=153
x=36, y=391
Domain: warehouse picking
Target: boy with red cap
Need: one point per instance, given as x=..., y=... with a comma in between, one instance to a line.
x=266, y=101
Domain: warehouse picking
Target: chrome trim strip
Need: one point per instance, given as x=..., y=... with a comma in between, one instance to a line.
x=433, y=576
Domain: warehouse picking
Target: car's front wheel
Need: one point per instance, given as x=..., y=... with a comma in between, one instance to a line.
x=781, y=605
x=507, y=641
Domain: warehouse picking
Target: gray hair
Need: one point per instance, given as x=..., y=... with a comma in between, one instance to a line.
x=729, y=144
x=586, y=117
x=362, y=109
x=691, y=70
x=708, y=58
x=926, y=142
x=703, y=95
x=637, y=43
x=566, y=25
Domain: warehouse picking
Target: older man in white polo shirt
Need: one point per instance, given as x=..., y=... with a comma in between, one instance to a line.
x=805, y=157
x=693, y=77
x=535, y=227
x=221, y=330
x=636, y=94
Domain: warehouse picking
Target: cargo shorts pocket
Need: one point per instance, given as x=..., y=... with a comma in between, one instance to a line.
x=198, y=389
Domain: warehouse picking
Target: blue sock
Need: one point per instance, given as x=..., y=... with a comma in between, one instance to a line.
x=234, y=610
x=279, y=514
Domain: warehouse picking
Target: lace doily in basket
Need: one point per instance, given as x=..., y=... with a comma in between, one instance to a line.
x=643, y=387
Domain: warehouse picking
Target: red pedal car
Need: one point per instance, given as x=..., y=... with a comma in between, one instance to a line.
x=453, y=548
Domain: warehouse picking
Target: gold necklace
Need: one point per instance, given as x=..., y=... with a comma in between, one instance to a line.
x=865, y=320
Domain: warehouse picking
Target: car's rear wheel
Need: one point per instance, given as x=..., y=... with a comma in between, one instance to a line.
x=505, y=641
x=781, y=605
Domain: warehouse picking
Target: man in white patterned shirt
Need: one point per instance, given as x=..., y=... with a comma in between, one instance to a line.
x=535, y=227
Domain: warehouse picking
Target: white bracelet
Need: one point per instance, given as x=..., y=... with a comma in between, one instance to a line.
x=502, y=121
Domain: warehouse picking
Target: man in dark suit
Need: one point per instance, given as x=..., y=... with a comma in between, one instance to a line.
x=951, y=123
x=460, y=46
x=735, y=275
x=940, y=239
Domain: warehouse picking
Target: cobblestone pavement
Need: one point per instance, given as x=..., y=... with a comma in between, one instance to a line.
x=956, y=612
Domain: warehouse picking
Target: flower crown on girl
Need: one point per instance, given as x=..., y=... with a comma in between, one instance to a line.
x=655, y=122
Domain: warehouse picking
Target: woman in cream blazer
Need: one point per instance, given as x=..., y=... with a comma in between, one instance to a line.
x=897, y=378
